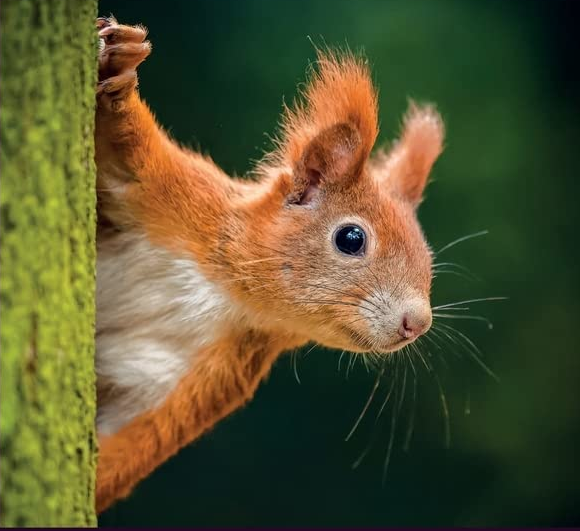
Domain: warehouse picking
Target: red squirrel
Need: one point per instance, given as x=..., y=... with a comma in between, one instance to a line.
x=203, y=280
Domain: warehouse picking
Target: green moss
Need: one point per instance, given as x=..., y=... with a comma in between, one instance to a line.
x=47, y=201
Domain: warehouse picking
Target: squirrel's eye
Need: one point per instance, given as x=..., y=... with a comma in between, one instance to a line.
x=350, y=239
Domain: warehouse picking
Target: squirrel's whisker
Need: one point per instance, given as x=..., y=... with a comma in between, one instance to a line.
x=462, y=239
x=483, y=299
x=468, y=317
x=367, y=404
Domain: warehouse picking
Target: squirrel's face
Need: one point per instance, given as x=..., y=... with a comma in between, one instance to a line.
x=362, y=277
x=335, y=252
x=349, y=270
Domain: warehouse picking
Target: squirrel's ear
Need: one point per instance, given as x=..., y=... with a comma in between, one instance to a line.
x=330, y=131
x=407, y=166
x=334, y=157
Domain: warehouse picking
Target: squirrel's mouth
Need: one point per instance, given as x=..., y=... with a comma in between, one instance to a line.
x=363, y=344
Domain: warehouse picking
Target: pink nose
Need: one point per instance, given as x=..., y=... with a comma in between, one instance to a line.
x=414, y=324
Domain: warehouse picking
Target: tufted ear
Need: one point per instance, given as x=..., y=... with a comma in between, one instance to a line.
x=407, y=166
x=328, y=133
x=333, y=157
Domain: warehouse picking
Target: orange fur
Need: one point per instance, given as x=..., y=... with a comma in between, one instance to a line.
x=228, y=377
x=340, y=90
x=266, y=244
x=412, y=157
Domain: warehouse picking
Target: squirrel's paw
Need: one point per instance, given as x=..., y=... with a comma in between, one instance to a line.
x=121, y=50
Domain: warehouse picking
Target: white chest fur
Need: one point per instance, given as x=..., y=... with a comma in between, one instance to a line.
x=154, y=312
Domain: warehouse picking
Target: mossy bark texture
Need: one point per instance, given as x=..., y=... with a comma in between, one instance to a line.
x=47, y=258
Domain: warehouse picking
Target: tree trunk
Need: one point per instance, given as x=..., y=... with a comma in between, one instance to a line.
x=47, y=257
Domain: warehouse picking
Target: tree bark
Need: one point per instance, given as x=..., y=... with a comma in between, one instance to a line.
x=47, y=259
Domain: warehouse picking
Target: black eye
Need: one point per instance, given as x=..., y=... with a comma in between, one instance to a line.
x=350, y=239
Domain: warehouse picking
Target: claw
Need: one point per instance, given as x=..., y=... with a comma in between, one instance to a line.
x=106, y=30
x=106, y=34
x=122, y=49
x=103, y=22
x=112, y=32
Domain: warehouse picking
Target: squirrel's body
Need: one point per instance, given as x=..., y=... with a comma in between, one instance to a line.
x=190, y=312
x=162, y=312
x=203, y=280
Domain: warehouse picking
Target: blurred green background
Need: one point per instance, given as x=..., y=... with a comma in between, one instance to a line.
x=505, y=77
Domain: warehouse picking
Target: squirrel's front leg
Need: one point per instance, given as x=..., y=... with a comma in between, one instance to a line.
x=133, y=153
x=124, y=125
x=142, y=174
x=225, y=377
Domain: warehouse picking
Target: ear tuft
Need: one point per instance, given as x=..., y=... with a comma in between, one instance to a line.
x=408, y=164
x=339, y=91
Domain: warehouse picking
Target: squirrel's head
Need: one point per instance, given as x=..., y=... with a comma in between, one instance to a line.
x=334, y=251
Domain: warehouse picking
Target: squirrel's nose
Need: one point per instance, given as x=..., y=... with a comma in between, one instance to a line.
x=415, y=321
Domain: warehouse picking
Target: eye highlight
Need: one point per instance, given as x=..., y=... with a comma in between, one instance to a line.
x=350, y=240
